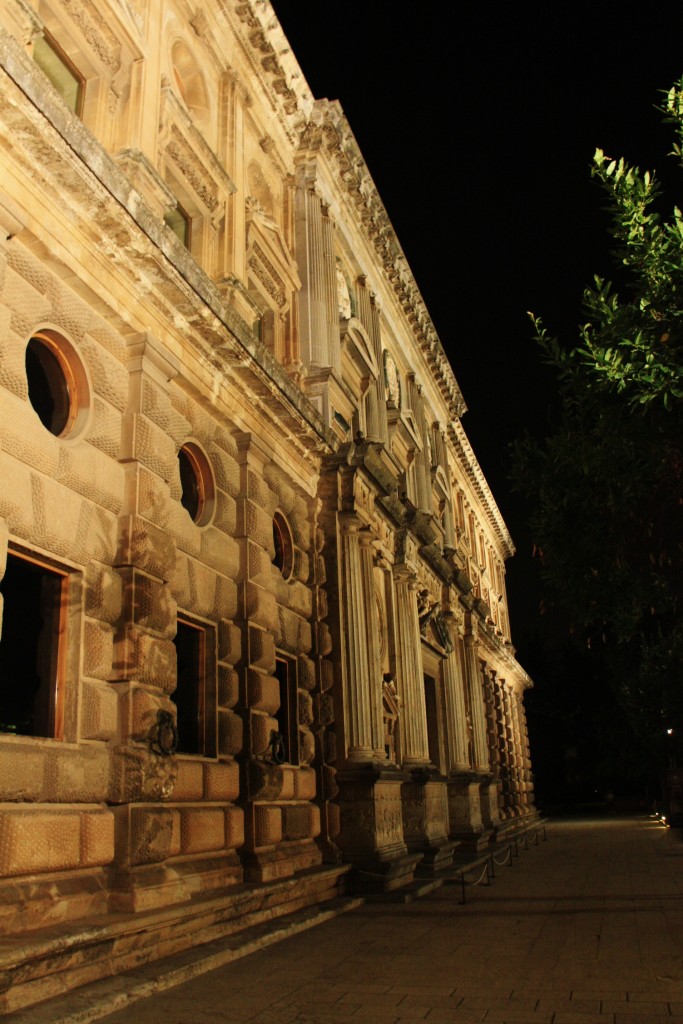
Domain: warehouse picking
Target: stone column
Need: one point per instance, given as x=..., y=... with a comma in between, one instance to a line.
x=464, y=783
x=456, y=714
x=504, y=745
x=525, y=786
x=373, y=419
x=376, y=415
x=314, y=297
x=423, y=479
x=358, y=716
x=518, y=764
x=414, y=740
x=374, y=330
x=235, y=252
x=491, y=798
x=374, y=663
x=329, y=273
x=424, y=472
x=527, y=776
x=474, y=684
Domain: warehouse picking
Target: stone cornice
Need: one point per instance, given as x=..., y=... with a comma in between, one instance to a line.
x=327, y=130
x=271, y=60
x=322, y=124
x=468, y=461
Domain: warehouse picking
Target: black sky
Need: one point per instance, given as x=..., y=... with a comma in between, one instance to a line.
x=478, y=123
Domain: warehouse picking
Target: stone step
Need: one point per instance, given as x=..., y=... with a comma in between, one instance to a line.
x=94, y=1001
x=52, y=961
x=406, y=893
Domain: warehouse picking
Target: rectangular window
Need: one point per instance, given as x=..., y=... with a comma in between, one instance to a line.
x=287, y=714
x=180, y=223
x=65, y=78
x=433, y=729
x=32, y=648
x=195, y=693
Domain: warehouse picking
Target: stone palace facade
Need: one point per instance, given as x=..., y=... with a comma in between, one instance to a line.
x=255, y=643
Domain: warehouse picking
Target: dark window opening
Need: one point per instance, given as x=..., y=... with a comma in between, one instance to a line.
x=190, y=482
x=180, y=223
x=287, y=713
x=48, y=385
x=189, y=693
x=195, y=693
x=283, y=544
x=32, y=649
x=432, y=708
x=63, y=75
x=390, y=715
x=197, y=491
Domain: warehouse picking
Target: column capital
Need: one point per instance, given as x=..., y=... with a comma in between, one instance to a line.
x=351, y=522
x=454, y=624
x=404, y=573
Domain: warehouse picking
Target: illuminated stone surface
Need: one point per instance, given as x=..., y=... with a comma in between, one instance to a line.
x=344, y=527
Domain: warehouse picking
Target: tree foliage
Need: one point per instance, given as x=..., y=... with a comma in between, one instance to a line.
x=605, y=487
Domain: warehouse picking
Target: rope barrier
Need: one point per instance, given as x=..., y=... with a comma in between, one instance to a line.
x=479, y=881
x=490, y=862
x=506, y=861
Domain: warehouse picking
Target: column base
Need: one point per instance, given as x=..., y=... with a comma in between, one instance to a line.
x=267, y=864
x=371, y=835
x=466, y=824
x=490, y=807
x=425, y=821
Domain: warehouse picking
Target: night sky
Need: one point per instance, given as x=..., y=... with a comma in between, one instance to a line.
x=478, y=123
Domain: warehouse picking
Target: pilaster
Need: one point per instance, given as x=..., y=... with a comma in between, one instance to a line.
x=374, y=662
x=142, y=779
x=477, y=707
x=315, y=261
x=456, y=714
x=358, y=715
x=491, y=788
x=415, y=743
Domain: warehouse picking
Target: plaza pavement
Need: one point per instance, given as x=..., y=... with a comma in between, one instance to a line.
x=586, y=928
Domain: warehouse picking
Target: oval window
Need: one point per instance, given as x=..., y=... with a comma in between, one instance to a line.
x=283, y=544
x=57, y=385
x=196, y=483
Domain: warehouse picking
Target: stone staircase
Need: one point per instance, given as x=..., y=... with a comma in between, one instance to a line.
x=121, y=958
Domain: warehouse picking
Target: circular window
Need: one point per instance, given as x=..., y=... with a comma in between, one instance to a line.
x=196, y=484
x=57, y=384
x=284, y=545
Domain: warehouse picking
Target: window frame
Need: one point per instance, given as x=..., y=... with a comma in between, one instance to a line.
x=75, y=380
x=287, y=715
x=70, y=67
x=58, y=657
x=205, y=698
x=200, y=466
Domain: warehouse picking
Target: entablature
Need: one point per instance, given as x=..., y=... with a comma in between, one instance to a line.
x=328, y=131
x=272, y=64
x=468, y=464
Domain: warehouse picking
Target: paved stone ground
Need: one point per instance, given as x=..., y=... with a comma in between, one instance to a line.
x=587, y=928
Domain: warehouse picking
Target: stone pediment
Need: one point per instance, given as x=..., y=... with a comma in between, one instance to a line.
x=441, y=479
x=409, y=424
x=194, y=161
x=355, y=338
x=268, y=256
